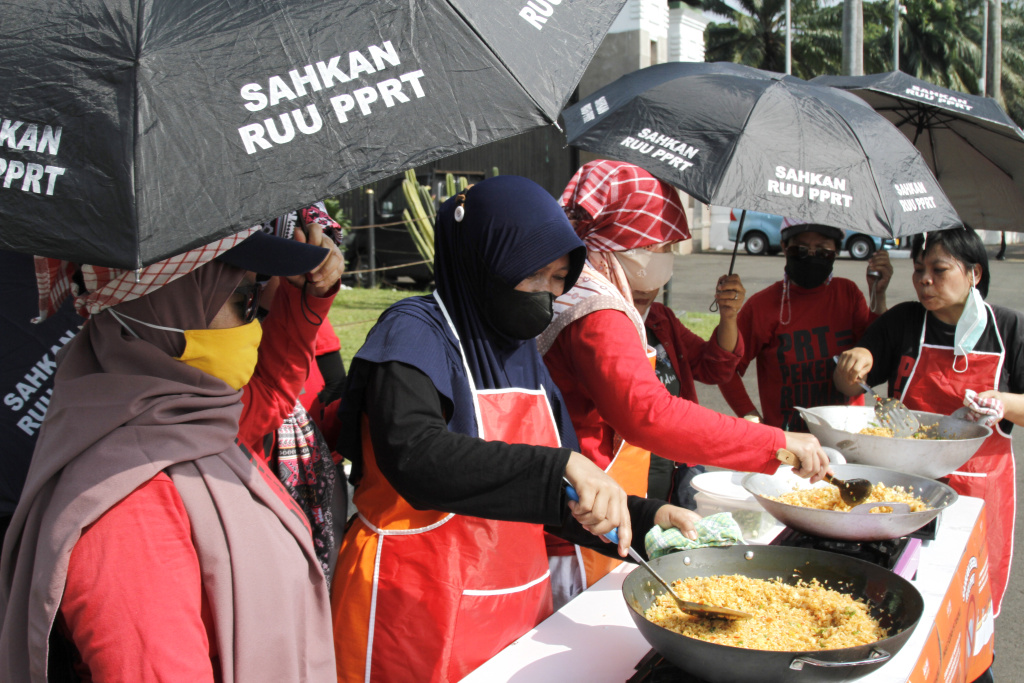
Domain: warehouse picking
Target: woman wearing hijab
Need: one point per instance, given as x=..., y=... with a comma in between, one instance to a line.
x=597, y=352
x=461, y=446
x=794, y=328
x=949, y=350
x=148, y=545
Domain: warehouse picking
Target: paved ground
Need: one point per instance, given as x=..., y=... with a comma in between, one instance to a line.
x=693, y=288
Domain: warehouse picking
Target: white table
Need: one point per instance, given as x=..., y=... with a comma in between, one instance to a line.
x=594, y=639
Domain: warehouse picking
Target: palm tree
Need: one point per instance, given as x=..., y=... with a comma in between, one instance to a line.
x=941, y=42
x=1013, y=60
x=755, y=35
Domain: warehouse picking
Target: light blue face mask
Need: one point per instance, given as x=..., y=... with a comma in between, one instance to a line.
x=970, y=327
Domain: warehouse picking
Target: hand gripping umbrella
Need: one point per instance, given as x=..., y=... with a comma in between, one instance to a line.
x=133, y=130
x=975, y=150
x=735, y=136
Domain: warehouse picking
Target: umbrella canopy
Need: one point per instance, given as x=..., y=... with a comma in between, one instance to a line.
x=735, y=136
x=975, y=150
x=133, y=130
x=28, y=361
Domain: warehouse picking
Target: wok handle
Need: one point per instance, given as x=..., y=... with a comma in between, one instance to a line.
x=810, y=417
x=877, y=656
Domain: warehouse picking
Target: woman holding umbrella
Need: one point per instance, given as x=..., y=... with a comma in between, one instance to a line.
x=461, y=445
x=596, y=349
x=948, y=350
x=148, y=544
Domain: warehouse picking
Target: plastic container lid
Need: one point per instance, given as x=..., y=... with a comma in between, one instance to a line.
x=725, y=485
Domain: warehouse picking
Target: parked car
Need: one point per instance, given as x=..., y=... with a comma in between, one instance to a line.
x=762, y=235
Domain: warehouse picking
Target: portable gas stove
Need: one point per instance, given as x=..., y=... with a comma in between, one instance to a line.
x=899, y=555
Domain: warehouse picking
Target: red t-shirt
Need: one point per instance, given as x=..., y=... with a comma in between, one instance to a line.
x=140, y=547
x=794, y=361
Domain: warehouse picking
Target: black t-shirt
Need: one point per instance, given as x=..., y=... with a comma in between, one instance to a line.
x=894, y=341
x=662, y=365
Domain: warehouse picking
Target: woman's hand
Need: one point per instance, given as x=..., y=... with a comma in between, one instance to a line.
x=669, y=516
x=324, y=277
x=814, y=462
x=853, y=367
x=879, y=274
x=602, y=505
x=1013, y=404
x=729, y=295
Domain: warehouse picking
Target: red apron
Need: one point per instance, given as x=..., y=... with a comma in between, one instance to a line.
x=428, y=596
x=934, y=387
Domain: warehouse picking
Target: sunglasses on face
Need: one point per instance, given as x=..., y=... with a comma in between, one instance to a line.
x=250, y=302
x=802, y=252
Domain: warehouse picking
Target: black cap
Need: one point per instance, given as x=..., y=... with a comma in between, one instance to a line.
x=269, y=255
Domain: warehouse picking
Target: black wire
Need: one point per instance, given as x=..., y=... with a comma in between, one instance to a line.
x=304, y=306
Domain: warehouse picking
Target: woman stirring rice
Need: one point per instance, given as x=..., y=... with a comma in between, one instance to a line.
x=948, y=348
x=461, y=442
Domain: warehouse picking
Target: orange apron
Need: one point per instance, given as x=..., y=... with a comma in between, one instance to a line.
x=934, y=387
x=629, y=468
x=421, y=595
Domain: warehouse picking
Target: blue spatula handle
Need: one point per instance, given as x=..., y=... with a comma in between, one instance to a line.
x=612, y=535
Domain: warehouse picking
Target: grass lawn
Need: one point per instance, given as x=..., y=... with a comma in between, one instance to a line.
x=356, y=310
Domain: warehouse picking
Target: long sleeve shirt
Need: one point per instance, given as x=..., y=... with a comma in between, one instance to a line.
x=610, y=388
x=437, y=469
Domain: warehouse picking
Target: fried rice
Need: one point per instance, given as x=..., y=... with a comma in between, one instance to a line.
x=787, y=618
x=930, y=432
x=827, y=498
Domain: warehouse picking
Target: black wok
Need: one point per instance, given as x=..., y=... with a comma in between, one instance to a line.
x=893, y=600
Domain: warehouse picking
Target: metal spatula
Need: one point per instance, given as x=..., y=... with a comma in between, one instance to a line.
x=893, y=414
x=852, y=491
x=685, y=605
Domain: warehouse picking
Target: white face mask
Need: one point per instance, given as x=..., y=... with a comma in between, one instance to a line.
x=646, y=270
x=970, y=327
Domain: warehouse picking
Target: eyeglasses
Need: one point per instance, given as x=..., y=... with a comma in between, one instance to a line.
x=802, y=252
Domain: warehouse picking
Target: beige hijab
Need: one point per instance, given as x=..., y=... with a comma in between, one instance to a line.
x=122, y=411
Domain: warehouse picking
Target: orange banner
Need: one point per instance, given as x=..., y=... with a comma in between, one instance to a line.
x=959, y=647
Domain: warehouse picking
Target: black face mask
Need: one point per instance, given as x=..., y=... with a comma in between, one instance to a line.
x=515, y=314
x=809, y=272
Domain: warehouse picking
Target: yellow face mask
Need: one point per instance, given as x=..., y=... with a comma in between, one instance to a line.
x=229, y=353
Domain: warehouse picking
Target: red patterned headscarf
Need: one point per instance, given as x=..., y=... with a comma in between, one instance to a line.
x=96, y=287
x=618, y=206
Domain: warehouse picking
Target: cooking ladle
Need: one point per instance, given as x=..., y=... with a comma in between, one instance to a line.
x=852, y=491
x=685, y=605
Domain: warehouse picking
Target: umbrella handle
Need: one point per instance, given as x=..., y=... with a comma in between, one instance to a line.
x=735, y=247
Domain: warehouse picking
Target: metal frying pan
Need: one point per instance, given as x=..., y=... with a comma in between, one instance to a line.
x=893, y=600
x=850, y=526
x=838, y=427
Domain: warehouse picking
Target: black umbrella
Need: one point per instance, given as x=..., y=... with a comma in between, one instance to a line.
x=735, y=136
x=27, y=363
x=975, y=150
x=132, y=130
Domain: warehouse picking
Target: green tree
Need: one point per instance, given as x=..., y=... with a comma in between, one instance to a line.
x=1013, y=60
x=941, y=42
x=755, y=35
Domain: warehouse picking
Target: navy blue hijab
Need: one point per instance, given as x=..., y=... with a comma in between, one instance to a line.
x=510, y=228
